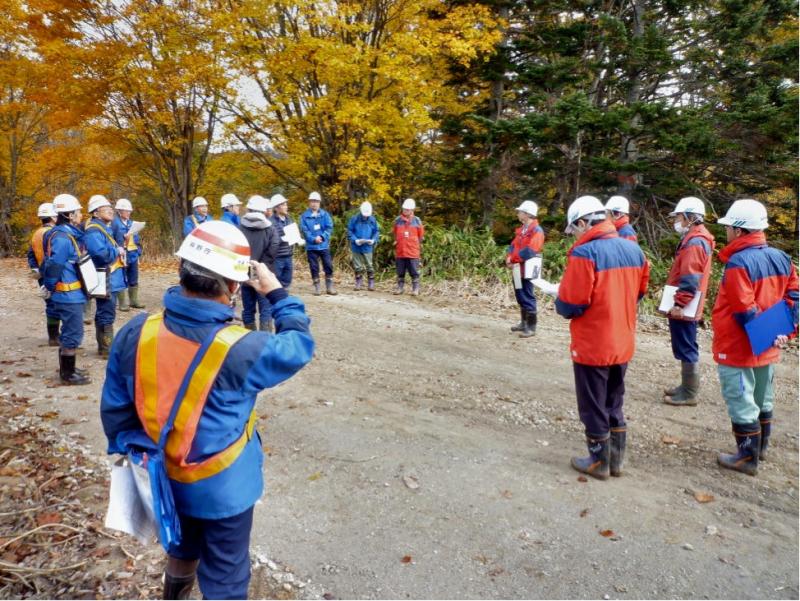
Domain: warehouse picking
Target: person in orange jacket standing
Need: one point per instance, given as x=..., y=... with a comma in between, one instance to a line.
x=603, y=281
x=526, y=245
x=408, y=237
x=756, y=277
x=690, y=273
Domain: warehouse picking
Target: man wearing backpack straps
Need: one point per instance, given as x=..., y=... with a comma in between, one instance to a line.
x=213, y=454
x=105, y=253
x=60, y=275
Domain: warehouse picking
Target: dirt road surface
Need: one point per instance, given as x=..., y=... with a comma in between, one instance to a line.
x=424, y=453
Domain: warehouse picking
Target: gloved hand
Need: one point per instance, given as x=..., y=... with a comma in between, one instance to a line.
x=44, y=292
x=35, y=275
x=359, y=242
x=370, y=242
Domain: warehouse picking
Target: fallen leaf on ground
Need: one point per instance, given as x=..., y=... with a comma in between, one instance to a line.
x=607, y=533
x=411, y=482
x=670, y=439
x=703, y=497
x=506, y=493
x=494, y=572
x=582, y=479
x=23, y=374
x=48, y=414
x=48, y=518
x=584, y=512
x=406, y=559
x=315, y=476
x=83, y=397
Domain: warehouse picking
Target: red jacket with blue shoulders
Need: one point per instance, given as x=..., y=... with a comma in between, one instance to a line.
x=756, y=277
x=527, y=243
x=625, y=229
x=604, y=279
x=691, y=268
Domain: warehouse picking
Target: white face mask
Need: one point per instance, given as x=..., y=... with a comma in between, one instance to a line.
x=680, y=228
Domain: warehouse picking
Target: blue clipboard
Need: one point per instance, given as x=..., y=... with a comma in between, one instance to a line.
x=763, y=329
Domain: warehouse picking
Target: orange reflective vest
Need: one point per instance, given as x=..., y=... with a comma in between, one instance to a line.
x=37, y=243
x=162, y=359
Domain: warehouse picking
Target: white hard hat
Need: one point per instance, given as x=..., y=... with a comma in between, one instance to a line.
x=747, y=213
x=123, y=204
x=409, y=203
x=529, y=207
x=315, y=196
x=218, y=247
x=46, y=209
x=229, y=200
x=581, y=207
x=199, y=201
x=277, y=199
x=618, y=204
x=689, y=204
x=366, y=208
x=257, y=203
x=66, y=203
x=97, y=201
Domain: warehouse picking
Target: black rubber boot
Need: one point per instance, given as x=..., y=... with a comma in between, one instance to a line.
x=53, y=324
x=765, y=419
x=316, y=288
x=66, y=369
x=329, y=289
x=618, y=441
x=748, y=446
x=686, y=393
x=250, y=326
x=401, y=284
x=371, y=282
x=521, y=325
x=530, y=325
x=597, y=463
x=178, y=587
x=265, y=326
x=359, y=282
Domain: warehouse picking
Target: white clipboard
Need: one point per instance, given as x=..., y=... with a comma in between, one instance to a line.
x=533, y=268
x=130, y=502
x=88, y=273
x=101, y=289
x=291, y=235
x=668, y=301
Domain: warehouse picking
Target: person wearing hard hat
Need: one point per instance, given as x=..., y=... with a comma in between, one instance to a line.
x=756, y=277
x=102, y=247
x=363, y=233
x=604, y=279
x=62, y=281
x=619, y=209
x=263, y=239
x=190, y=359
x=230, y=209
x=199, y=215
x=284, y=268
x=133, y=249
x=317, y=227
x=47, y=214
x=527, y=244
x=690, y=273
x=409, y=234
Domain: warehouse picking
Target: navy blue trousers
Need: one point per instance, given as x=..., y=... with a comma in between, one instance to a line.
x=600, y=391
x=49, y=310
x=314, y=257
x=132, y=272
x=223, y=548
x=683, y=335
x=252, y=300
x=71, y=316
x=284, y=270
x=407, y=265
x=106, y=310
x=525, y=296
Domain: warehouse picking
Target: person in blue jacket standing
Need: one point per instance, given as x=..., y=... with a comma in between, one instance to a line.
x=230, y=209
x=62, y=281
x=48, y=215
x=105, y=254
x=316, y=225
x=363, y=233
x=284, y=268
x=199, y=215
x=133, y=249
x=214, y=458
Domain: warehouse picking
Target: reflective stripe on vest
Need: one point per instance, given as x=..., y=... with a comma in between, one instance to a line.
x=156, y=388
x=116, y=264
x=37, y=243
x=62, y=287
